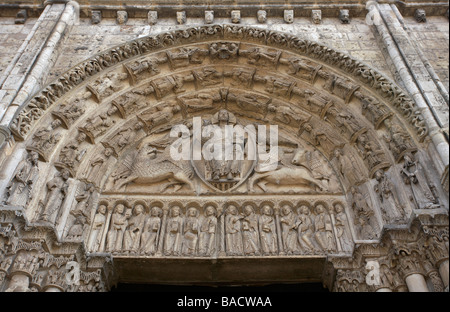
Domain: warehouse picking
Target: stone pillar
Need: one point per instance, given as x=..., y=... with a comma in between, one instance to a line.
x=433, y=277
x=383, y=290
x=37, y=54
x=159, y=253
x=19, y=282
x=412, y=271
x=52, y=289
x=105, y=230
x=279, y=238
x=416, y=283
x=444, y=272
x=415, y=78
x=222, y=251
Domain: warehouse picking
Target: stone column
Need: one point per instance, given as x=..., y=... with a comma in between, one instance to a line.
x=19, y=282
x=52, y=288
x=222, y=251
x=416, y=283
x=162, y=233
x=412, y=271
x=444, y=272
x=280, y=240
x=383, y=290
x=106, y=228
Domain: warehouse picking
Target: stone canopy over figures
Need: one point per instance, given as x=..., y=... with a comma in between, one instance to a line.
x=348, y=167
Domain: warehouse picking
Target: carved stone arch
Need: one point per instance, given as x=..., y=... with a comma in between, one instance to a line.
x=110, y=116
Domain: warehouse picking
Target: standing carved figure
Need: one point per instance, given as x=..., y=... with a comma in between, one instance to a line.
x=289, y=229
x=305, y=229
x=119, y=222
x=349, y=167
x=98, y=225
x=135, y=226
x=84, y=201
x=207, y=237
x=98, y=166
x=56, y=193
x=363, y=214
x=233, y=222
x=414, y=176
x=324, y=229
x=267, y=230
x=150, y=235
x=19, y=191
x=390, y=205
x=250, y=232
x=190, y=232
x=342, y=228
x=172, y=244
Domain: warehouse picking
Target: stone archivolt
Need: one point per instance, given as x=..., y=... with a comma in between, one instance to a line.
x=108, y=185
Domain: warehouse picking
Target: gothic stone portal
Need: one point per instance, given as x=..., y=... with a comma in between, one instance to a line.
x=97, y=185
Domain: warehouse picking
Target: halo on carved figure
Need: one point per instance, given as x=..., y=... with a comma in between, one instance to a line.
x=322, y=204
x=301, y=204
x=210, y=204
x=142, y=203
x=176, y=204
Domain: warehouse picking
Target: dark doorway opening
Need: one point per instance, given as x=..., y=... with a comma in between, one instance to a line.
x=282, y=288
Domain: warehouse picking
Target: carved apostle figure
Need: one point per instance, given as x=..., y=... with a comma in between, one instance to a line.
x=56, y=193
x=267, y=230
x=207, y=237
x=414, y=175
x=190, y=232
x=342, y=227
x=135, y=226
x=324, y=229
x=386, y=191
x=150, y=235
x=119, y=222
x=289, y=229
x=19, y=191
x=172, y=243
x=98, y=226
x=250, y=232
x=233, y=241
x=305, y=229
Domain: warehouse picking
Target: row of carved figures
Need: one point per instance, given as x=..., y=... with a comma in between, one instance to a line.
x=238, y=231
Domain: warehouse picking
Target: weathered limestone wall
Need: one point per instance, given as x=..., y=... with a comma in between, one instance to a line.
x=433, y=38
x=11, y=38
